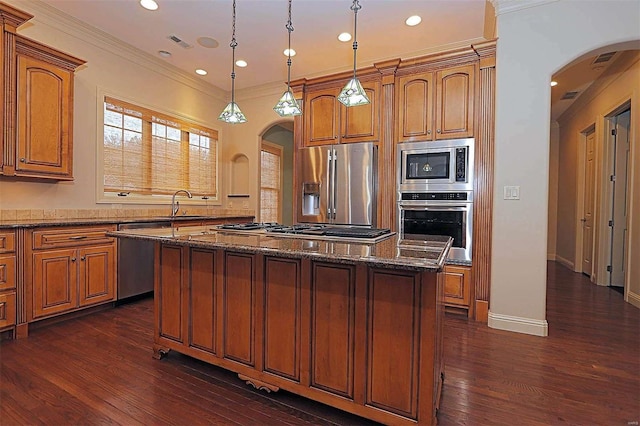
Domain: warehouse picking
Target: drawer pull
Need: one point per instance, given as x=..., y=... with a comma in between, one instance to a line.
x=78, y=237
x=3, y=311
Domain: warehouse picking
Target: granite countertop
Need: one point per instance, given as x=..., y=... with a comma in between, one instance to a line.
x=386, y=253
x=33, y=223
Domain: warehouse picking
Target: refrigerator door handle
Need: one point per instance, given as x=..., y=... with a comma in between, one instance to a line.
x=329, y=183
x=333, y=179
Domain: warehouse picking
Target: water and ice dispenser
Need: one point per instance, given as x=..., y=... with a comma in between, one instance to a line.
x=310, y=198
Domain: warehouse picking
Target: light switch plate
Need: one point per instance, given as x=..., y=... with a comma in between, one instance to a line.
x=511, y=192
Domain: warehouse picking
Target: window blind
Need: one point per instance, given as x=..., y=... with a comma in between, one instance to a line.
x=150, y=153
x=270, y=183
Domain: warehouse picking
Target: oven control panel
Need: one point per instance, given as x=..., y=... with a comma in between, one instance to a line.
x=443, y=196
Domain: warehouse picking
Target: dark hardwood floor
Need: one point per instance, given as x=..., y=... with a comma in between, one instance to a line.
x=98, y=370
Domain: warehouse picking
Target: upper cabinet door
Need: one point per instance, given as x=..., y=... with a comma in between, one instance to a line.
x=321, y=117
x=455, y=102
x=362, y=123
x=44, y=119
x=415, y=107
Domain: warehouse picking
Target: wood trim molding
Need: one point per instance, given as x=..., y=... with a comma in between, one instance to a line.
x=60, y=59
x=483, y=191
x=437, y=61
x=12, y=18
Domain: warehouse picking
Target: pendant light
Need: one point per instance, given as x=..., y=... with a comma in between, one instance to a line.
x=287, y=106
x=353, y=94
x=231, y=113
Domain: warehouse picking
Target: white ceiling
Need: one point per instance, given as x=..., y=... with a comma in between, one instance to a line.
x=262, y=37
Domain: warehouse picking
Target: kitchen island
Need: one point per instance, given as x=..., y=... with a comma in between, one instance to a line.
x=357, y=326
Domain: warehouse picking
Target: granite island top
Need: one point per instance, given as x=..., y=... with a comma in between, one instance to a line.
x=34, y=223
x=385, y=253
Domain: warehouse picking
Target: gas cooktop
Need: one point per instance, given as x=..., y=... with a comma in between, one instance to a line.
x=315, y=231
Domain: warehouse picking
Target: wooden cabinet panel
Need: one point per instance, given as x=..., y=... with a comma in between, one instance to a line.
x=321, y=117
x=282, y=317
x=239, y=307
x=97, y=274
x=362, y=123
x=7, y=309
x=457, y=286
x=7, y=272
x=170, y=294
x=442, y=100
x=333, y=328
x=54, y=282
x=415, y=107
x=393, y=350
x=44, y=108
x=455, y=102
x=203, y=300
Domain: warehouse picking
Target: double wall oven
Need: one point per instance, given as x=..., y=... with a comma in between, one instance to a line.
x=435, y=193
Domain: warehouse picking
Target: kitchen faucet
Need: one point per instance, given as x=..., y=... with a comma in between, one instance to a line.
x=175, y=205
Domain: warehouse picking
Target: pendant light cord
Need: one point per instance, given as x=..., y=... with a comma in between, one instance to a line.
x=289, y=27
x=233, y=45
x=355, y=7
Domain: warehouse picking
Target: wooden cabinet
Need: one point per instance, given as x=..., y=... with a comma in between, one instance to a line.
x=457, y=286
x=7, y=280
x=317, y=328
x=436, y=105
x=38, y=118
x=69, y=268
x=327, y=121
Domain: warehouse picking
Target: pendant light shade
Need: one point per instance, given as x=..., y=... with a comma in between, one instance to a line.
x=353, y=94
x=231, y=113
x=287, y=106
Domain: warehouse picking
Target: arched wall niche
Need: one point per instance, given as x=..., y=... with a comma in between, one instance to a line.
x=239, y=184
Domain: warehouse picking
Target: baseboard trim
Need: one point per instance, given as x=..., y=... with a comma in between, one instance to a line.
x=564, y=262
x=482, y=311
x=518, y=324
x=634, y=299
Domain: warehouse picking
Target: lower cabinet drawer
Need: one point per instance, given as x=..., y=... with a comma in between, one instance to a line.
x=7, y=272
x=7, y=309
x=70, y=237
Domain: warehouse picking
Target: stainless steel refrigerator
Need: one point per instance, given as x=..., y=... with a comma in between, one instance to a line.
x=338, y=184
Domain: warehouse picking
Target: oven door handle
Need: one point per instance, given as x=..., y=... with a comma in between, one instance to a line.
x=413, y=205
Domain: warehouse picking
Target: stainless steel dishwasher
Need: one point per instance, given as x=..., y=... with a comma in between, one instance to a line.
x=135, y=263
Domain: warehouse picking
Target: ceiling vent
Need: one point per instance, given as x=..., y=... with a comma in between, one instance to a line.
x=569, y=95
x=180, y=42
x=605, y=57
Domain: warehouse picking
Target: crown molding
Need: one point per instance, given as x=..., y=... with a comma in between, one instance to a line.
x=507, y=6
x=53, y=18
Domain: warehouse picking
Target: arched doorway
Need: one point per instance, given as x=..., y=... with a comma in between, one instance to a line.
x=276, y=174
x=590, y=213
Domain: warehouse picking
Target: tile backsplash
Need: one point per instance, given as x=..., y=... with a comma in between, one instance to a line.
x=51, y=214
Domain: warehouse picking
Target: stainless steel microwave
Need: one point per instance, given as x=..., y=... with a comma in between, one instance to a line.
x=436, y=166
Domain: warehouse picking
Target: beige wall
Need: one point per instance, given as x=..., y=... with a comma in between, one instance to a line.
x=118, y=70
x=619, y=84
x=535, y=39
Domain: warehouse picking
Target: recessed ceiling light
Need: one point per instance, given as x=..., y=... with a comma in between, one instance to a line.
x=201, y=72
x=413, y=20
x=208, y=42
x=289, y=51
x=241, y=63
x=149, y=4
x=344, y=37
x=164, y=53
x=554, y=83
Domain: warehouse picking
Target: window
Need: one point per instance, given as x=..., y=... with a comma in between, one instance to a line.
x=150, y=153
x=271, y=183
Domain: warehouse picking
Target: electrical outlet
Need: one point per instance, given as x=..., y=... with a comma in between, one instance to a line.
x=511, y=192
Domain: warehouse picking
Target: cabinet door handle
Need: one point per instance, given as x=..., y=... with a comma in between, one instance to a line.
x=428, y=132
x=438, y=130
x=83, y=258
x=22, y=160
x=73, y=259
x=78, y=237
